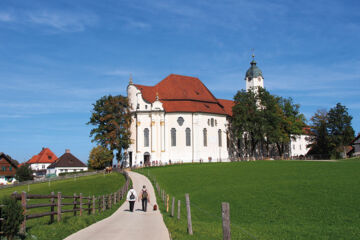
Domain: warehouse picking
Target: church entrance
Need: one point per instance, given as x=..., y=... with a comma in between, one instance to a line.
x=147, y=159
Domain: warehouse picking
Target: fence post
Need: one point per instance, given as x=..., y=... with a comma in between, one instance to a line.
x=178, y=215
x=93, y=204
x=59, y=207
x=52, y=201
x=164, y=201
x=74, y=208
x=172, y=206
x=99, y=203
x=89, y=205
x=109, y=201
x=188, y=210
x=167, y=203
x=103, y=203
x=226, y=220
x=80, y=204
x=114, y=197
x=23, y=204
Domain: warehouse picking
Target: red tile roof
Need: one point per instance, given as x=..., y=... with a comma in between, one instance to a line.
x=228, y=105
x=45, y=156
x=184, y=94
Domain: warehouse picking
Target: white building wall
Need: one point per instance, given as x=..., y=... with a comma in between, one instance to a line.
x=57, y=171
x=298, y=146
x=39, y=166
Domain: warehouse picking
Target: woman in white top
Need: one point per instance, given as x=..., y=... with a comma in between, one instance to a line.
x=131, y=198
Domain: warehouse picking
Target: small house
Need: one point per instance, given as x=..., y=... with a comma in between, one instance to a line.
x=356, y=145
x=64, y=164
x=8, y=168
x=39, y=163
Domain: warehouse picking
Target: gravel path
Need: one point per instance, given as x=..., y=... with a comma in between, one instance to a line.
x=124, y=224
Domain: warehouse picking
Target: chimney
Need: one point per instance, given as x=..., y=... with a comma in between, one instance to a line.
x=67, y=150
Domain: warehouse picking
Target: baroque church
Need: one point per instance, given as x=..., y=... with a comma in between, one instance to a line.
x=180, y=120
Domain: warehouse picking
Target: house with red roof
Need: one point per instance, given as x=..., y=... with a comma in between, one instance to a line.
x=180, y=120
x=8, y=168
x=41, y=161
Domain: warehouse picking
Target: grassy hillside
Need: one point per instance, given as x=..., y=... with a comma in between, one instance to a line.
x=268, y=199
x=90, y=185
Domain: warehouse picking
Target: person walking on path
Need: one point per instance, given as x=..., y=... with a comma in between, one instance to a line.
x=131, y=198
x=145, y=198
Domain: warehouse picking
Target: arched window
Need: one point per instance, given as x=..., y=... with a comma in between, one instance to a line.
x=146, y=137
x=188, y=140
x=205, y=137
x=173, y=137
x=212, y=122
x=220, y=139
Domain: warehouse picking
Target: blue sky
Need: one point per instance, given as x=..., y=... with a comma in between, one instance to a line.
x=59, y=57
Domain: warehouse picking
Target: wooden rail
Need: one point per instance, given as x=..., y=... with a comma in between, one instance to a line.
x=57, y=201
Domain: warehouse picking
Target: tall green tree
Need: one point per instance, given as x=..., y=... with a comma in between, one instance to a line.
x=340, y=129
x=100, y=158
x=24, y=173
x=319, y=138
x=292, y=124
x=111, y=118
x=246, y=121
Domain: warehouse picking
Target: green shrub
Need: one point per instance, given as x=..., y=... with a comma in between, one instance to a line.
x=12, y=213
x=24, y=173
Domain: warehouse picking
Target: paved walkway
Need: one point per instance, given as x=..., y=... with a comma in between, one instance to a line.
x=124, y=224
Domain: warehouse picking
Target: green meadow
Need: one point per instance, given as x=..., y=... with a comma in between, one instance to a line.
x=268, y=199
x=90, y=185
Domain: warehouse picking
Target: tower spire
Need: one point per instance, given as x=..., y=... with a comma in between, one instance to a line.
x=130, y=79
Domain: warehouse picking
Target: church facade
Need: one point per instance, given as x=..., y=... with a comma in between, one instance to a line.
x=180, y=120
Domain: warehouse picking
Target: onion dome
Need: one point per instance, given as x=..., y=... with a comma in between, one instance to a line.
x=253, y=71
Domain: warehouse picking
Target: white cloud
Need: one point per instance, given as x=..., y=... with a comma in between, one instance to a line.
x=6, y=17
x=63, y=21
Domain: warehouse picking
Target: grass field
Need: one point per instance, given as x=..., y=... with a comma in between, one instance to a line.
x=268, y=199
x=90, y=185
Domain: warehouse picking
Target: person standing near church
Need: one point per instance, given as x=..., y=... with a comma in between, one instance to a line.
x=131, y=198
x=145, y=198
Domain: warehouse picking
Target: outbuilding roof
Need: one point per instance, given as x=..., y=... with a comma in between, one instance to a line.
x=67, y=160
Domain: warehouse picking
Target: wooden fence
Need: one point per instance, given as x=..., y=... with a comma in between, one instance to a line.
x=76, y=204
x=225, y=210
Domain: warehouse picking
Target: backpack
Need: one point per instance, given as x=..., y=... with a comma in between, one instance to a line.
x=132, y=196
x=144, y=194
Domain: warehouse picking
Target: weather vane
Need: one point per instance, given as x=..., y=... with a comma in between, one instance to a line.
x=252, y=53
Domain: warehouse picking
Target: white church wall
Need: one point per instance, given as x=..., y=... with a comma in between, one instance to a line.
x=298, y=146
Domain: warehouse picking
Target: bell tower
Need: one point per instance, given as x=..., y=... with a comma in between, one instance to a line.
x=254, y=77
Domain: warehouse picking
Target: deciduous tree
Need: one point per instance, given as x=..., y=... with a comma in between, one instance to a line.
x=100, y=157
x=111, y=118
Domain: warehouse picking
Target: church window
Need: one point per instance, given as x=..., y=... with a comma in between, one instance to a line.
x=138, y=106
x=294, y=146
x=205, y=137
x=209, y=121
x=212, y=122
x=180, y=121
x=215, y=122
x=145, y=106
x=173, y=137
x=146, y=137
x=188, y=140
x=219, y=136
